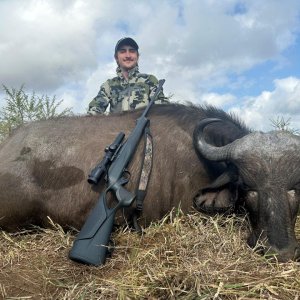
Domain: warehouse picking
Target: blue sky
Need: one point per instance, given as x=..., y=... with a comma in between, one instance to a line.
x=240, y=55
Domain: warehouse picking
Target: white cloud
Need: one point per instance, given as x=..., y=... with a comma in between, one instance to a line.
x=282, y=102
x=45, y=44
x=65, y=47
x=217, y=99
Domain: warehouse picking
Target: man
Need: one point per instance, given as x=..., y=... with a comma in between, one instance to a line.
x=130, y=89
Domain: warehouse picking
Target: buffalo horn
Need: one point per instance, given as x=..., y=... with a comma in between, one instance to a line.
x=208, y=151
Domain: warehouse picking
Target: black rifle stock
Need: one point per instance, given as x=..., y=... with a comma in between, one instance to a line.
x=91, y=244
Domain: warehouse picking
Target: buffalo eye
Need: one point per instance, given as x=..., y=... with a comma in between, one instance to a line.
x=297, y=187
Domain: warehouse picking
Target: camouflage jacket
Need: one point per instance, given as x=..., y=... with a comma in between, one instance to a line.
x=123, y=94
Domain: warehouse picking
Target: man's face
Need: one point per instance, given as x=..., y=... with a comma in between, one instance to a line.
x=127, y=57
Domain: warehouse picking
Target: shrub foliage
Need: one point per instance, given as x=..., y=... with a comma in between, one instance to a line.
x=21, y=108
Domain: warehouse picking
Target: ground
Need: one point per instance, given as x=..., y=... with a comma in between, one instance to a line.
x=181, y=257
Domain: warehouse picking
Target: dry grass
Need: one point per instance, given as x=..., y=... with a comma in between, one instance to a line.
x=182, y=257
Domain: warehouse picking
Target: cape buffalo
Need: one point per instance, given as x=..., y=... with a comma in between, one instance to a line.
x=44, y=167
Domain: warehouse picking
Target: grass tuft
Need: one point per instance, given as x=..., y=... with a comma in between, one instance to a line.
x=180, y=257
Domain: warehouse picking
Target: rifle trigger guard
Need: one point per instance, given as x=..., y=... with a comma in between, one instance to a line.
x=127, y=173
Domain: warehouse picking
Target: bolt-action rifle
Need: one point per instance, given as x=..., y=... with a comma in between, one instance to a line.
x=91, y=244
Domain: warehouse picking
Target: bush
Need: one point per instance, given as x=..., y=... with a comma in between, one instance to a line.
x=21, y=108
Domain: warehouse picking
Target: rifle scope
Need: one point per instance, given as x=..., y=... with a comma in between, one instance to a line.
x=101, y=168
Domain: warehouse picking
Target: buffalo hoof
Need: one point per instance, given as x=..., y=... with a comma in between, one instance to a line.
x=214, y=202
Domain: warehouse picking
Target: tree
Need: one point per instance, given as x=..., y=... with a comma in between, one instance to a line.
x=281, y=124
x=21, y=108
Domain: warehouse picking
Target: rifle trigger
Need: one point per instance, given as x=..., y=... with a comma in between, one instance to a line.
x=123, y=180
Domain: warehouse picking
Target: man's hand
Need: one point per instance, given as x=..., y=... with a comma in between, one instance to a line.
x=93, y=111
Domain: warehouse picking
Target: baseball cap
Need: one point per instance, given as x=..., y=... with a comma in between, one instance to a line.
x=126, y=41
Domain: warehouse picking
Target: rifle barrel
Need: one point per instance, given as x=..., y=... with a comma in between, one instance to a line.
x=152, y=99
